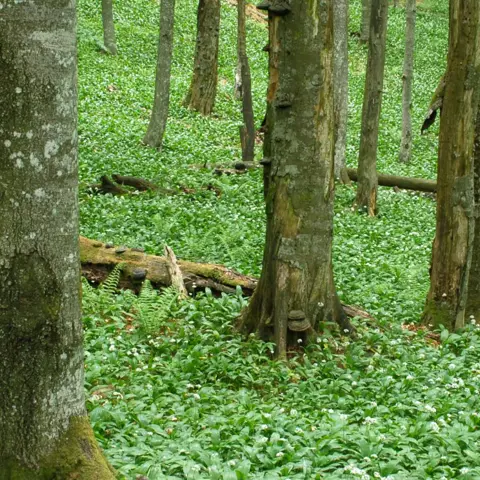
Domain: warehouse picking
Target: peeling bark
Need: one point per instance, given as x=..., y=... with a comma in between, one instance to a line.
x=44, y=431
x=109, y=40
x=372, y=104
x=406, y=142
x=453, y=244
x=203, y=88
x=161, y=102
x=296, y=291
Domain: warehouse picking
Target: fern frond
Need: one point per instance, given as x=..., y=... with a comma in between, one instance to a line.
x=110, y=284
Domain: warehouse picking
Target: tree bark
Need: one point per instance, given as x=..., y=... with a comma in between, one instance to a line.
x=340, y=86
x=44, y=428
x=372, y=104
x=435, y=105
x=161, y=102
x=109, y=40
x=473, y=300
x=453, y=244
x=247, y=130
x=406, y=142
x=203, y=88
x=296, y=291
x=365, y=23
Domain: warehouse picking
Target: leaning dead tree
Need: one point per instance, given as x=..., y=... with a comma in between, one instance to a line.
x=161, y=101
x=454, y=235
x=435, y=106
x=203, y=87
x=372, y=103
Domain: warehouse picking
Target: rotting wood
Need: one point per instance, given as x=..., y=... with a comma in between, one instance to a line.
x=98, y=260
x=176, y=277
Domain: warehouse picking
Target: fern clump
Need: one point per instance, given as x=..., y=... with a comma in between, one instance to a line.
x=153, y=309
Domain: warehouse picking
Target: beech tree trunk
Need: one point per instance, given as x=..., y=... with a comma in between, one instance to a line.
x=453, y=244
x=296, y=292
x=109, y=40
x=44, y=429
x=203, y=88
x=473, y=300
x=406, y=142
x=340, y=86
x=372, y=104
x=366, y=16
x=161, y=102
x=247, y=130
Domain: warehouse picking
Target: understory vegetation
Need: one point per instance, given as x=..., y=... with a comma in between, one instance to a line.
x=173, y=391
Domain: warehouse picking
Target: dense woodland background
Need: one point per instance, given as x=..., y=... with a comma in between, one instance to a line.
x=173, y=390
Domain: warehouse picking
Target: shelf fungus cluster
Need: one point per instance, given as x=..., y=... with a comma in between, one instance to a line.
x=276, y=7
x=298, y=322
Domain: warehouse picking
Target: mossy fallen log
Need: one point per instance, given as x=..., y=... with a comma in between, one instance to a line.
x=407, y=183
x=99, y=259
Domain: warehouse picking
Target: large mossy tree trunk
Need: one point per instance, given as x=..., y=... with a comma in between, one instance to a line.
x=407, y=77
x=203, y=88
x=473, y=300
x=372, y=104
x=340, y=86
x=44, y=429
x=453, y=244
x=247, y=130
x=296, y=291
x=161, y=101
x=109, y=40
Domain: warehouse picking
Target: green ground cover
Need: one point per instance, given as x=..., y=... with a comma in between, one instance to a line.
x=200, y=402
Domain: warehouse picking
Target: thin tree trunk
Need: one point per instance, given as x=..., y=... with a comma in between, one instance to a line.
x=296, y=292
x=109, y=40
x=473, y=301
x=44, y=429
x=406, y=143
x=203, y=88
x=161, y=102
x=247, y=130
x=366, y=16
x=454, y=236
x=372, y=105
x=340, y=86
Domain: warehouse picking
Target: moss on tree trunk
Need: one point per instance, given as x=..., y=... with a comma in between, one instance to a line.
x=453, y=244
x=296, y=291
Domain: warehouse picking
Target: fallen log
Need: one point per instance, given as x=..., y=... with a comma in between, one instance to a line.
x=407, y=183
x=99, y=259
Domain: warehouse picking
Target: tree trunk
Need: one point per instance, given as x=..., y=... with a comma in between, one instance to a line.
x=340, y=85
x=44, y=428
x=296, y=291
x=366, y=16
x=372, y=104
x=406, y=142
x=247, y=130
x=158, y=120
x=453, y=244
x=473, y=301
x=109, y=40
x=203, y=88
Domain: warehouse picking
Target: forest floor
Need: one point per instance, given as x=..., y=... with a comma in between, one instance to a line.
x=173, y=392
